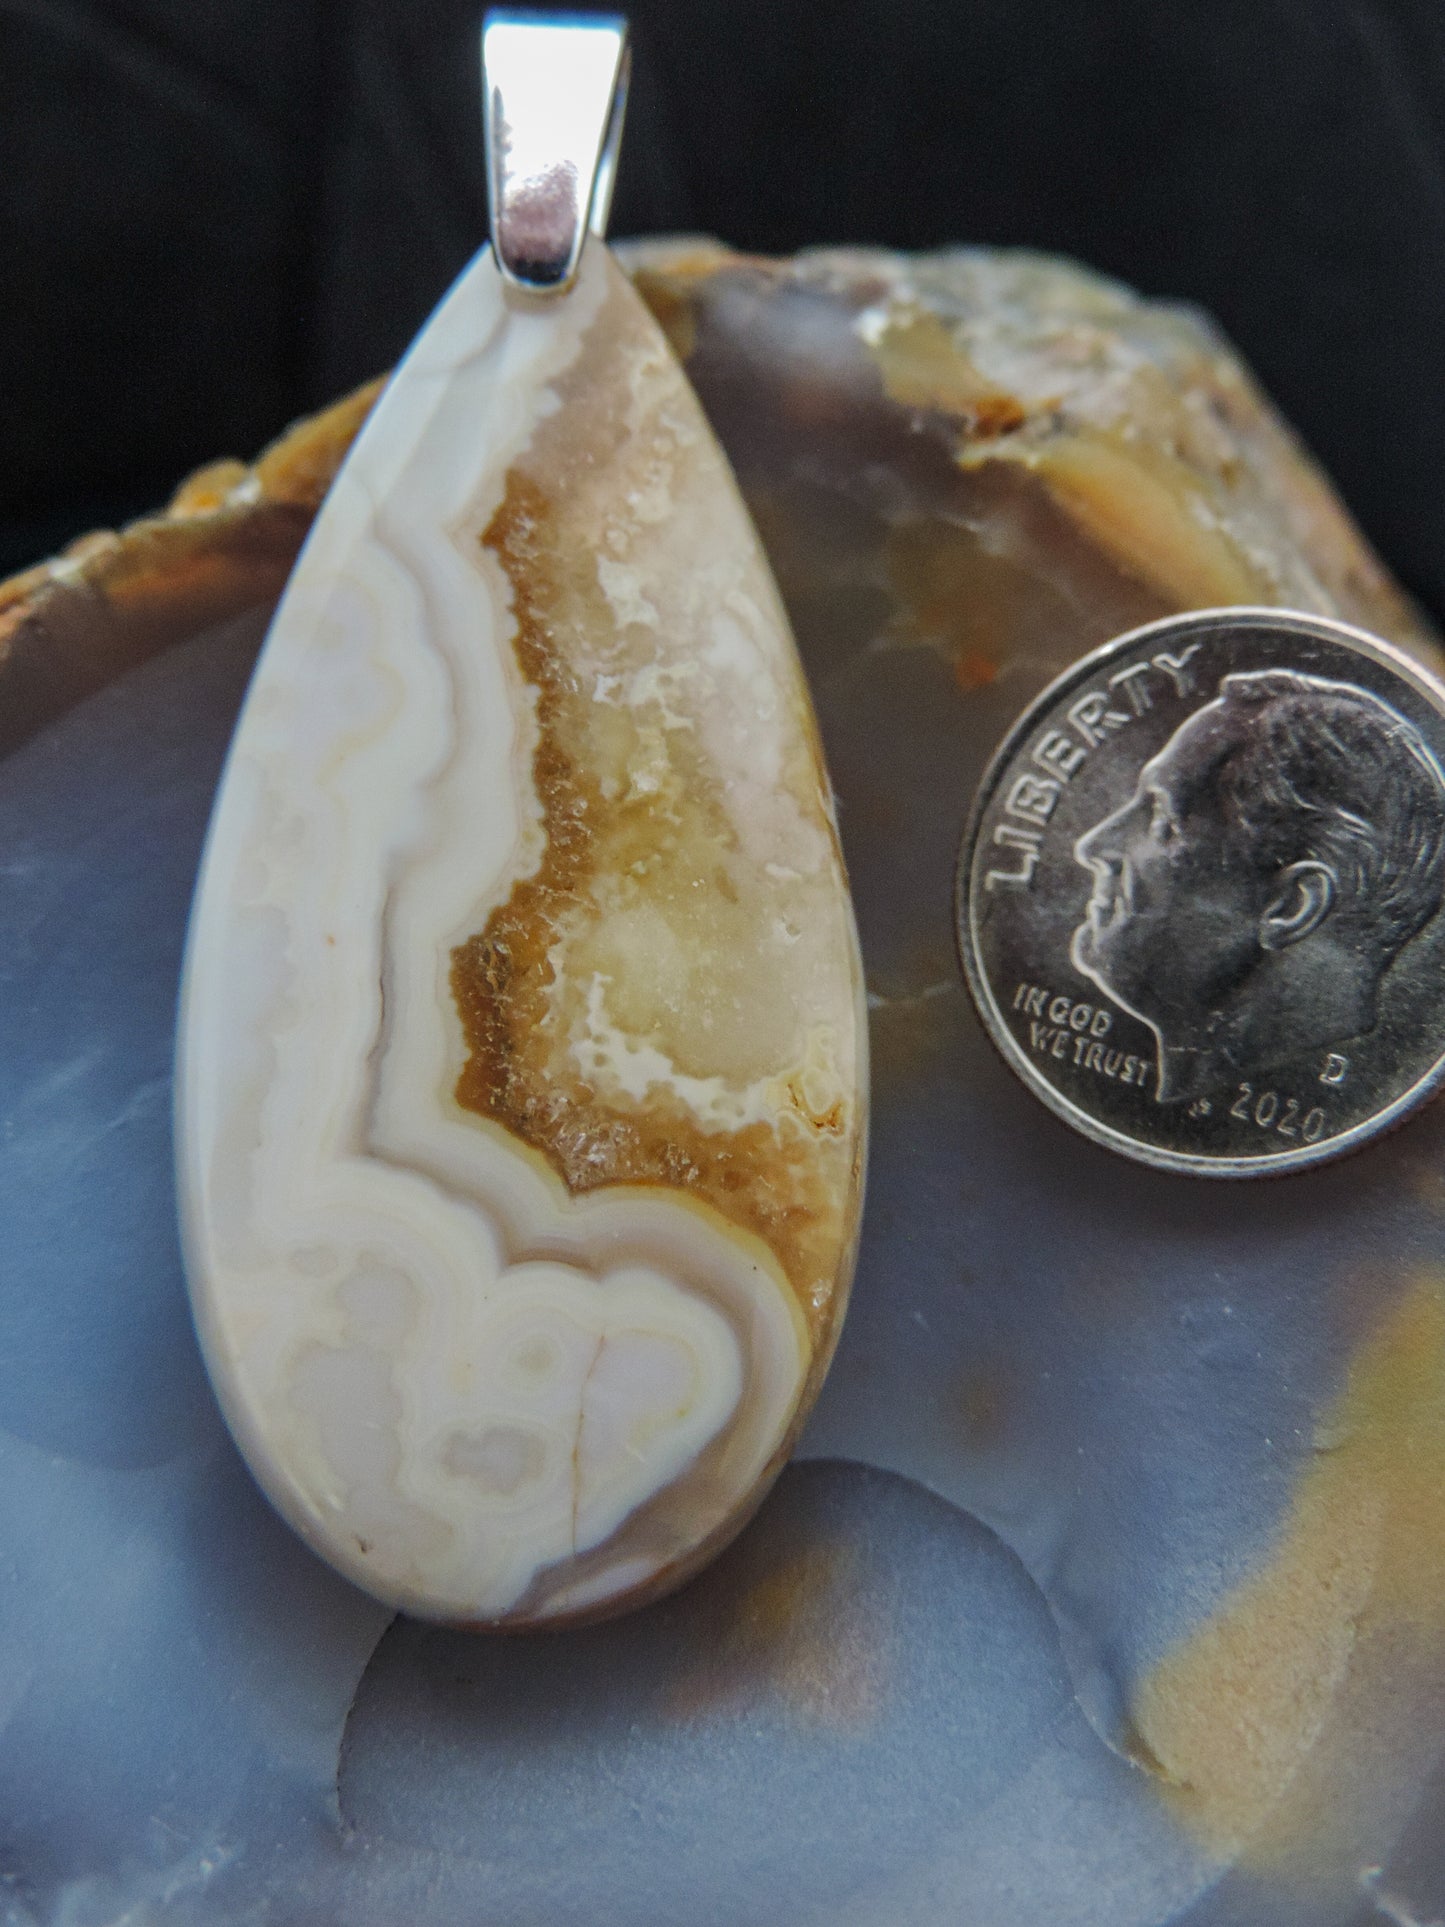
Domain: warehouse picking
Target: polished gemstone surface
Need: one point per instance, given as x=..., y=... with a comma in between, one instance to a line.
x=521, y=1105
x=1106, y=1590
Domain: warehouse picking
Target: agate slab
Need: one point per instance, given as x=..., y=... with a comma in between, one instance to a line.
x=521, y=1094
x=1116, y=1599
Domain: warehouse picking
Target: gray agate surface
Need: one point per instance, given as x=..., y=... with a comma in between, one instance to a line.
x=1108, y=1589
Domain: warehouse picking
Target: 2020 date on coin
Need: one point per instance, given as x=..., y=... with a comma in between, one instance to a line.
x=1199, y=895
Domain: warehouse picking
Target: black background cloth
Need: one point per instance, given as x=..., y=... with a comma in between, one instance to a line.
x=218, y=214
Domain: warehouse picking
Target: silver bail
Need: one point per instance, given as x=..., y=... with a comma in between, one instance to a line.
x=554, y=92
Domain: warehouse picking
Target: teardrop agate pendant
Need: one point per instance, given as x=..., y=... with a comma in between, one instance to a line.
x=521, y=1090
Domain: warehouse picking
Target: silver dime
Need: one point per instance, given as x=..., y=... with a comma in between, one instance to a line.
x=1199, y=896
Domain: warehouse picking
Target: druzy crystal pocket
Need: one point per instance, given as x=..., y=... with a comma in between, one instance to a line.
x=522, y=1057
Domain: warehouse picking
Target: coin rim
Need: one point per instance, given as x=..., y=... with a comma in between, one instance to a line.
x=1193, y=1164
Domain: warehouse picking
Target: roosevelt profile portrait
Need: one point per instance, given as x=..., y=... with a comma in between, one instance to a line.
x=1277, y=855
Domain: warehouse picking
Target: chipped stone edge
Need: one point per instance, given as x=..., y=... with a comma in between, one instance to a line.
x=227, y=540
